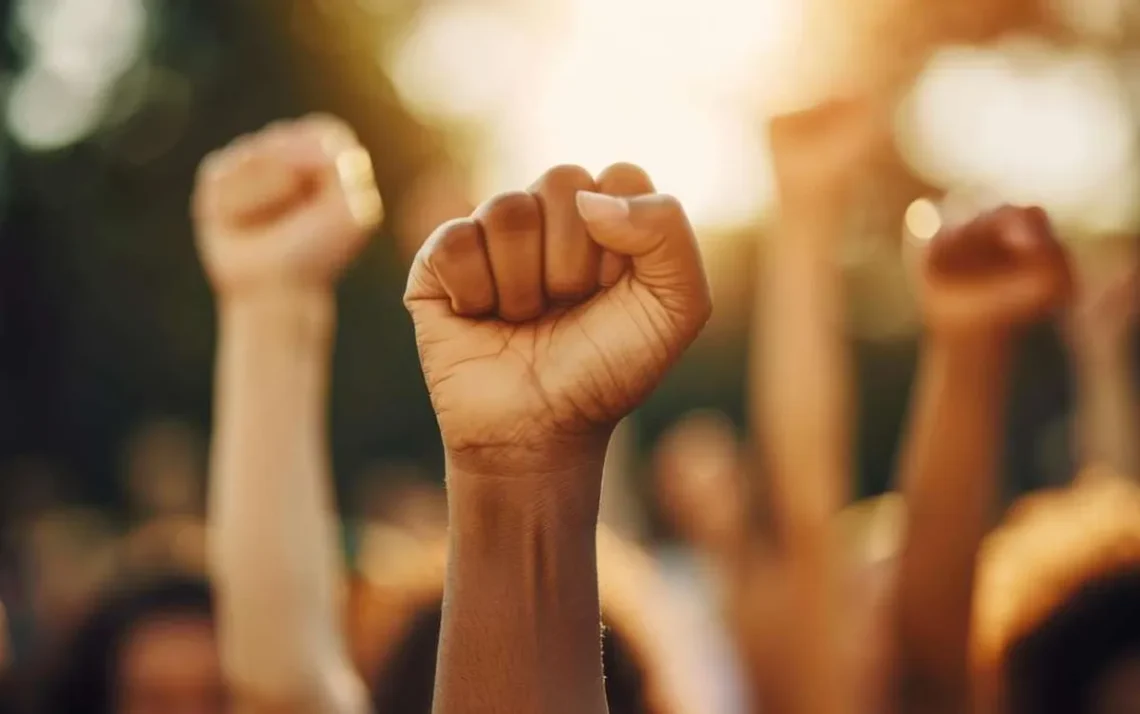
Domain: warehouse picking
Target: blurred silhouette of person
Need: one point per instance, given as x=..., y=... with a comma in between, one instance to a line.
x=699, y=484
x=164, y=470
x=402, y=495
x=1056, y=624
x=143, y=648
x=72, y=554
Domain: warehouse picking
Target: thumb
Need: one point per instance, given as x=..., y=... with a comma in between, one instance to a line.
x=654, y=232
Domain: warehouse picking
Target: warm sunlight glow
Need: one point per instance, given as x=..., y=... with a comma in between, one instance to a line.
x=673, y=86
x=462, y=62
x=923, y=219
x=1030, y=125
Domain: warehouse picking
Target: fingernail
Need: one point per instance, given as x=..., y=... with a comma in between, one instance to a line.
x=600, y=208
x=366, y=206
x=354, y=168
x=334, y=141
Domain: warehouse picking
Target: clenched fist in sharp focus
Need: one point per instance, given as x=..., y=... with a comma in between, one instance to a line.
x=550, y=314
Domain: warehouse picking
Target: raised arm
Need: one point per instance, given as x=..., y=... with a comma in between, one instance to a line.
x=979, y=283
x=801, y=389
x=541, y=321
x=1102, y=348
x=279, y=214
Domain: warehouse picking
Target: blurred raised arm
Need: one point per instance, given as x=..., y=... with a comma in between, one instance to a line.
x=801, y=390
x=980, y=282
x=1102, y=348
x=278, y=215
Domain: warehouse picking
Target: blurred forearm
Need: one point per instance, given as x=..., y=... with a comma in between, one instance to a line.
x=274, y=535
x=801, y=394
x=949, y=476
x=1108, y=408
x=801, y=382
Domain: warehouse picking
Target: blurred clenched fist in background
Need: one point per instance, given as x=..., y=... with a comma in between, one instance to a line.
x=287, y=207
x=1000, y=271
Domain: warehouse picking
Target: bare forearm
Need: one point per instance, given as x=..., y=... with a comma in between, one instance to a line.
x=274, y=540
x=802, y=392
x=801, y=380
x=521, y=618
x=949, y=475
x=1108, y=410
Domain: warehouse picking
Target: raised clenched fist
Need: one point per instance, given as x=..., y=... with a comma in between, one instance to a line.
x=287, y=207
x=1002, y=270
x=549, y=314
x=818, y=153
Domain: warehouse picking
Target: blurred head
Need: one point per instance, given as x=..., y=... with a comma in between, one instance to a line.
x=164, y=469
x=699, y=481
x=1085, y=657
x=403, y=495
x=1057, y=621
x=149, y=649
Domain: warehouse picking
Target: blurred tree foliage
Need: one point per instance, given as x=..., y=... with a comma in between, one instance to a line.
x=107, y=319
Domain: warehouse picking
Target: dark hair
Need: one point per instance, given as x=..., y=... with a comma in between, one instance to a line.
x=407, y=682
x=83, y=678
x=1057, y=667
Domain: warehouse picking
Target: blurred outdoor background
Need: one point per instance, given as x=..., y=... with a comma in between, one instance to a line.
x=106, y=322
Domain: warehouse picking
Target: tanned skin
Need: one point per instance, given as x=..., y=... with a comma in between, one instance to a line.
x=801, y=409
x=802, y=394
x=979, y=284
x=541, y=321
x=279, y=215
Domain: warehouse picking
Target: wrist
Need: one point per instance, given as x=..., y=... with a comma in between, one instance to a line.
x=987, y=345
x=978, y=359
x=501, y=502
x=304, y=316
x=1093, y=356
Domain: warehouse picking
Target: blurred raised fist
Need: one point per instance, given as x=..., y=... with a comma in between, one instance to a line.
x=823, y=148
x=549, y=314
x=1002, y=270
x=287, y=207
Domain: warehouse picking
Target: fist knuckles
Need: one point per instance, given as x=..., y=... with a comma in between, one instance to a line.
x=260, y=176
x=293, y=202
x=1004, y=268
x=523, y=251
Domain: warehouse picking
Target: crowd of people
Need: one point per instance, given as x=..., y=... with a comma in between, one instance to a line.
x=542, y=320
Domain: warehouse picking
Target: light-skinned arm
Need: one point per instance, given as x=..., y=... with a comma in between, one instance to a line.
x=279, y=214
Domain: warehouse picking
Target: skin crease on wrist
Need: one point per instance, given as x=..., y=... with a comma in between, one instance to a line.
x=541, y=321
